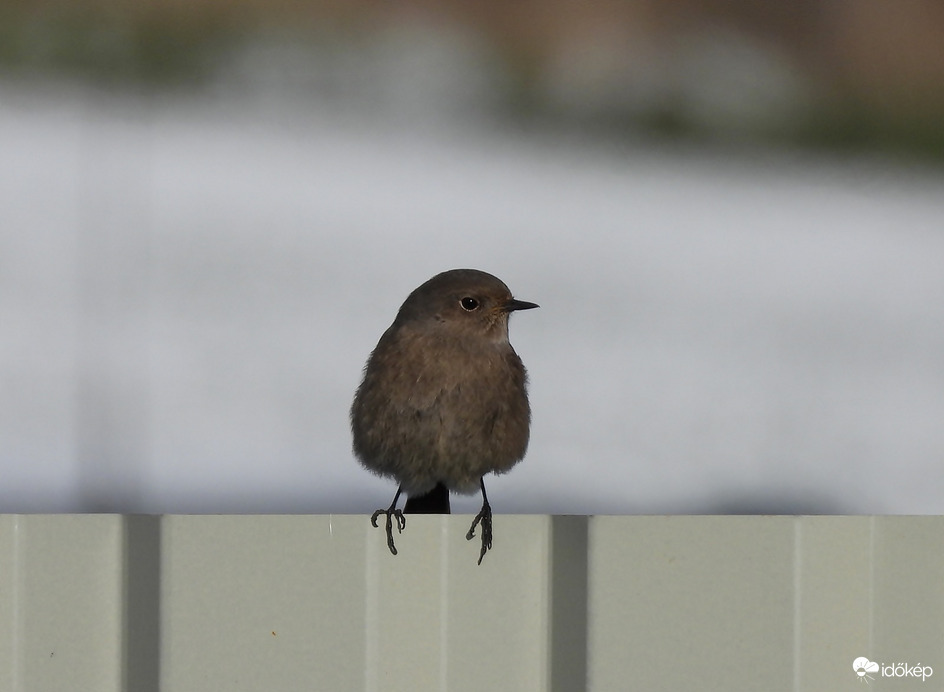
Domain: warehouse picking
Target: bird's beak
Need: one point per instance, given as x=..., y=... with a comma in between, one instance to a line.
x=512, y=305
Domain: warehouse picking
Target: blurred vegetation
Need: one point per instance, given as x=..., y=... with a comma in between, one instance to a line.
x=852, y=125
x=807, y=73
x=112, y=45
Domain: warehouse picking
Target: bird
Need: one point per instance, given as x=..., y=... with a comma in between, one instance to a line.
x=444, y=398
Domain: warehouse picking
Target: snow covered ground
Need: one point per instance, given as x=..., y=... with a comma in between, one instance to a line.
x=189, y=289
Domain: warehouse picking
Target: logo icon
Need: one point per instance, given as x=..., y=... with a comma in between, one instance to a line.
x=862, y=667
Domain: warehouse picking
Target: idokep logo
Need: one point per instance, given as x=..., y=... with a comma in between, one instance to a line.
x=863, y=666
x=865, y=670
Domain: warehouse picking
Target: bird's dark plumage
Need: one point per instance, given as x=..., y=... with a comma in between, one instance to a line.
x=444, y=396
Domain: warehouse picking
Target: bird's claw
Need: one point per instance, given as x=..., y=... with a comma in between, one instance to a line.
x=392, y=514
x=485, y=518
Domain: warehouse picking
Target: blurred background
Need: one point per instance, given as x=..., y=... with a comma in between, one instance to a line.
x=730, y=211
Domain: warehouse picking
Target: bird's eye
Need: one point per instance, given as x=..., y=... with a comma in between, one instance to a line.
x=469, y=303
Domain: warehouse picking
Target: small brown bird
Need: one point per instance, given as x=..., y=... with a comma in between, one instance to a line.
x=444, y=397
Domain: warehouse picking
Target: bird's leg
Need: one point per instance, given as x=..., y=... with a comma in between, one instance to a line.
x=392, y=513
x=484, y=516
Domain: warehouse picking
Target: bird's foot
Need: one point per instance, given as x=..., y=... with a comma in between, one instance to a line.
x=485, y=517
x=392, y=513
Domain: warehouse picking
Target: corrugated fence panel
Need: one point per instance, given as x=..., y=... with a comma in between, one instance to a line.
x=61, y=603
x=200, y=603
